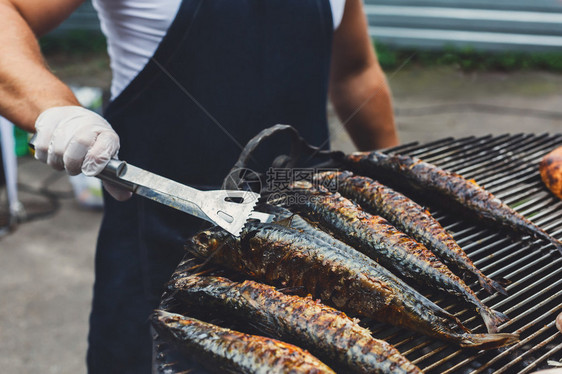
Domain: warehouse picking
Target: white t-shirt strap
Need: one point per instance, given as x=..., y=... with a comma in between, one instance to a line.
x=337, y=11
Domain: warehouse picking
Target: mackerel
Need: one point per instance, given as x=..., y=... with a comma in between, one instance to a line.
x=324, y=331
x=350, y=281
x=223, y=350
x=410, y=218
x=396, y=251
x=464, y=193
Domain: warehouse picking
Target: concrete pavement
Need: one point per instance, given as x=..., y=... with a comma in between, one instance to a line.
x=439, y=102
x=46, y=266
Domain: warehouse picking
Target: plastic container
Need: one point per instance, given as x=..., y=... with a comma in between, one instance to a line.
x=21, y=142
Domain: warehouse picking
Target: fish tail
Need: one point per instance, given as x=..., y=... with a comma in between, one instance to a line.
x=557, y=244
x=490, y=285
x=541, y=234
x=492, y=318
x=535, y=231
x=488, y=341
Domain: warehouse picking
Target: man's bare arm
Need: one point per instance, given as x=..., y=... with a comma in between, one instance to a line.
x=358, y=86
x=27, y=87
x=69, y=137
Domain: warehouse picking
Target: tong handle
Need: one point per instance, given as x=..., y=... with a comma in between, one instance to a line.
x=155, y=187
x=113, y=172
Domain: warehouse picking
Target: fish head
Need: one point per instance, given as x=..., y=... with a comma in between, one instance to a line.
x=299, y=185
x=377, y=156
x=206, y=242
x=167, y=323
x=161, y=318
x=356, y=156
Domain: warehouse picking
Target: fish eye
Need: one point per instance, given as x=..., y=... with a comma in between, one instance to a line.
x=204, y=238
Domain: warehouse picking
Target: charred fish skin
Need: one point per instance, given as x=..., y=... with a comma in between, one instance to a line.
x=410, y=218
x=352, y=282
x=464, y=193
x=324, y=331
x=491, y=317
x=394, y=250
x=223, y=350
x=287, y=218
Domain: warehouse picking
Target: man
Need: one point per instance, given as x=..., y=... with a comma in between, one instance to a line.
x=193, y=80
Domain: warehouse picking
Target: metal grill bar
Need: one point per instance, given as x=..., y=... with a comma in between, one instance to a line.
x=461, y=364
x=525, y=268
x=513, y=348
x=517, y=295
x=518, y=194
x=485, y=249
x=428, y=355
x=549, y=213
x=511, y=151
x=417, y=347
x=502, y=182
x=451, y=150
x=531, y=310
x=482, y=156
x=548, y=354
x=443, y=145
x=469, y=149
x=492, y=158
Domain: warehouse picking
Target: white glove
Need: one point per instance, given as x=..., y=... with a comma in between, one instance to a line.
x=78, y=140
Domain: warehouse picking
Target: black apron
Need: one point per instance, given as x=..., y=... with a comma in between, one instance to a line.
x=225, y=70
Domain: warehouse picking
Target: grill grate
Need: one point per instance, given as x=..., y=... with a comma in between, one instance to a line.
x=507, y=166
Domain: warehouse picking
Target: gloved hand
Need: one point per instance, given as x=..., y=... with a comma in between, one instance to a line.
x=77, y=140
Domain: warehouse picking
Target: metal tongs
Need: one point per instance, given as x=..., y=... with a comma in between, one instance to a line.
x=229, y=209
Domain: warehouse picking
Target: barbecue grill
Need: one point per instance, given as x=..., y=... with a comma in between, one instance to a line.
x=507, y=166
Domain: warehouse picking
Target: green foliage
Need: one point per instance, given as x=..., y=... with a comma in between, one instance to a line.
x=74, y=42
x=387, y=57
x=468, y=59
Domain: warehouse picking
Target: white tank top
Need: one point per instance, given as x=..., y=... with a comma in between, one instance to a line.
x=134, y=28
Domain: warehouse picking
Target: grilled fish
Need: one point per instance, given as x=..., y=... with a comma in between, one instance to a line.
x=394, y=250
x=326, y=332
x=465, y=193
x=287, y=218
x=410, y=218
x=350, y=281
x=222, y=350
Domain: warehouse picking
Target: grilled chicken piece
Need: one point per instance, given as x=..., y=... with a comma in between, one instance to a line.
x=550, y=168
